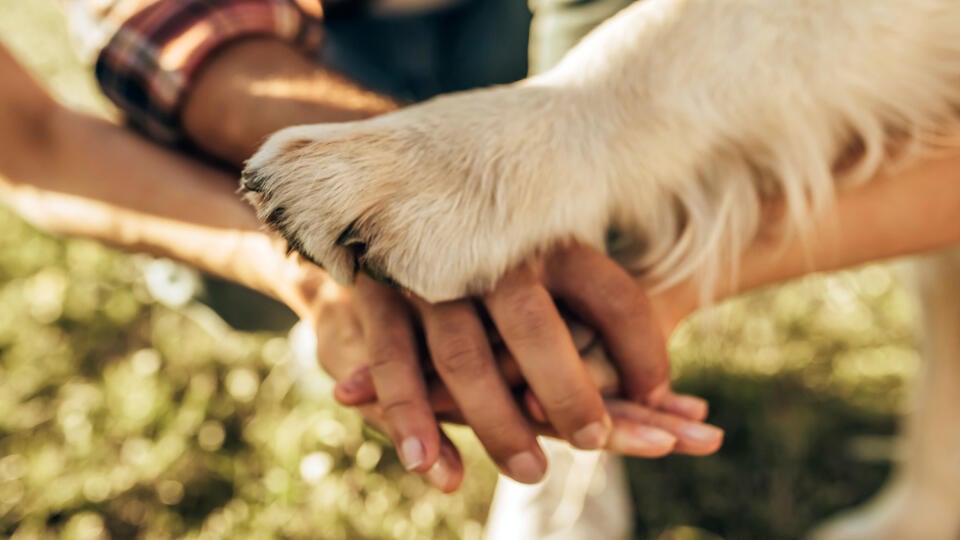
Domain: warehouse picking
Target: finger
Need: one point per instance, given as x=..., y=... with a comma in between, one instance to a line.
x=627, y=437
x=534, y=407
x=395, y=371
x=356, y=388
x=689, y=407
x=640, y=440
x=694, y=438
x=508, y=367
x=643, y=432
x=446, y=474
x=463, y=359
x=440, y=398
x=608, y=299
x=537, y=337
x=606, y=378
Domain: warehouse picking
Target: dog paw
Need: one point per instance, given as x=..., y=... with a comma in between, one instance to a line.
x=440, y=199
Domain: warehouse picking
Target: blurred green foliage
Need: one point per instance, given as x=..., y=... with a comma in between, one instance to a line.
x=123, y=418
x=807, y=380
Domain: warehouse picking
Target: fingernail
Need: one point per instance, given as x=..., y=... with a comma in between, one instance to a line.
x=655, y=437
x=412, y=453
x=355, y=381
x=693, y=407
x=525, y=467
x=594, y=435
x=643, y=441
x=438, y=475
x=702, y=432
x=349, y=386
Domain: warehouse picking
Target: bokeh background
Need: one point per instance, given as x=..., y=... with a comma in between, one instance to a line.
x=130, y=409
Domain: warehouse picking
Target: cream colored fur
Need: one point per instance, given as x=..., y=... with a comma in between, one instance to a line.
x=658, y=138
x=668, y=124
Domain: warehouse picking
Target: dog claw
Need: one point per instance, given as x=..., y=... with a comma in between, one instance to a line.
x=350, y=237
x=252, y=180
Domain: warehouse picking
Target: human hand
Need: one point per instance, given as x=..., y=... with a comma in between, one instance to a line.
x=533, y=332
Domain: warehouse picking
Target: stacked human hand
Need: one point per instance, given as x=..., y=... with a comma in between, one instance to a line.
x=507, y=365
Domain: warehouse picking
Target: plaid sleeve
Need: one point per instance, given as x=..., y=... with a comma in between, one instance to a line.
x=152, y=58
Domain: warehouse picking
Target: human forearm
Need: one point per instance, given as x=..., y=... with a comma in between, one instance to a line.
x=94, y=179
x=257, y=86
x=209, y=248
x=912, y=211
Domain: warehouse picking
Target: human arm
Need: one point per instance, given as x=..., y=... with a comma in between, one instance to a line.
x=78, y=174
x=257, y=86
x=219, y=75
x=909, y=211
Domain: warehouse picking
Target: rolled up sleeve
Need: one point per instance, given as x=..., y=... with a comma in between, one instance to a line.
x=150, y=54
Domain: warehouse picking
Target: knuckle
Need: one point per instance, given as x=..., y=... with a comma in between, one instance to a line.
x=528, y=303
x=389, y=349
x=503, y=439
x=622, y=297
x=529, y=312
x=378, y=300
x=576, y=401
x=461, y=356
x=399, y=407
x=382, y=359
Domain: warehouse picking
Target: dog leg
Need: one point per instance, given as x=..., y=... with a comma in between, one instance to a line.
x=922, y=500
x=663, y=130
